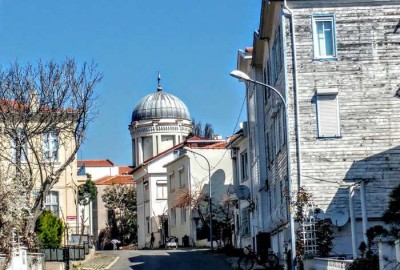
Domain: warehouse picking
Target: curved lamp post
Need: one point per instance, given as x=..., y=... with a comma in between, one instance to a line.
x=246, y=78
x=209, y=199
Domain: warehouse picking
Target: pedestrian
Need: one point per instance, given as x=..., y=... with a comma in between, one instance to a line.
x=152, y=240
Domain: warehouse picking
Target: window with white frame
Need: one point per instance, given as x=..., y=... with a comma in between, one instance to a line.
x=171, y=182
x=328, y=121
x=244, y=166
x=181, y=177
x=50, y=146
x=324, y=39
x=146, y=192
x=173, y=217
x=183, y=215
x=245, y=221
x=51, y=202
x=162, y=191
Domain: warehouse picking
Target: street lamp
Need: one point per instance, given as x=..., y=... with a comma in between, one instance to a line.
x=246, y=78
x=209, y=199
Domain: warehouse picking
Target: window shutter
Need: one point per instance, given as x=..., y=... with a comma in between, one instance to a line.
x=328, y=116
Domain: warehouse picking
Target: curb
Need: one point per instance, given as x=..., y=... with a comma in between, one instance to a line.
x=112, y=263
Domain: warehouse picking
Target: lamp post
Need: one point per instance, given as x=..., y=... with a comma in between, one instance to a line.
x=209, y=198
x=246, y=78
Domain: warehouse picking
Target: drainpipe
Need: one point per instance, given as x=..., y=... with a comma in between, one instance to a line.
x=352, y=221
x=364, y=212
x=297, y=129
x=295, y=86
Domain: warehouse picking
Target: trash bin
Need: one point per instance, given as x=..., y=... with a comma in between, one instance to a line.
x=185, y=241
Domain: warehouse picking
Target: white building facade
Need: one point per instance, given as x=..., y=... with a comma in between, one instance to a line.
x=160, y=122
x=188, y=187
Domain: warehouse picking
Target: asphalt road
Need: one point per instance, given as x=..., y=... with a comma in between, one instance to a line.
x=169, y=259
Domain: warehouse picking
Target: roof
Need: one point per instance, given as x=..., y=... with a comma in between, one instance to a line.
x=112, y=180
x=193, y=142
x=217, y=145
x=8, y=106
x=124, y=170
x=160, y=105
x=96, y=163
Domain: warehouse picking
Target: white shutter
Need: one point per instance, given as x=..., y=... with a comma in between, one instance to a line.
x=328, y=116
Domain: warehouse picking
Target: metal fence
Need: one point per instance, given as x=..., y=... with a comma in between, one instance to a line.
x=76, y=253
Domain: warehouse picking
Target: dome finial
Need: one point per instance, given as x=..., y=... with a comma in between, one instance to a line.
x=159, y=88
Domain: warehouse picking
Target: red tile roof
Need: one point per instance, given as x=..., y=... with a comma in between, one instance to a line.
x=96, y=163
x=117, y=179
x=217, y=145
x=124, y=169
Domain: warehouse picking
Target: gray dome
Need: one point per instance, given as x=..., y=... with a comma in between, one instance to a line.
x=160, y=105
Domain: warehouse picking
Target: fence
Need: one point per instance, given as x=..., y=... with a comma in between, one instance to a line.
x=76, y=253
x=22, y=260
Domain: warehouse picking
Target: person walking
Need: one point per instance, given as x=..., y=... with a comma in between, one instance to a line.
x=152, y=240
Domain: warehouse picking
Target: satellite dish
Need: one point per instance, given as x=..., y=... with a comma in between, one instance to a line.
x=339, y=217
x=242, y=192
x=319, y=214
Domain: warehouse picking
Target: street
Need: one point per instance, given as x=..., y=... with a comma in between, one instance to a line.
x=168, y=259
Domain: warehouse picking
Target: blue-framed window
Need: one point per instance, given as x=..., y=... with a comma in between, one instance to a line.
x=324, y=36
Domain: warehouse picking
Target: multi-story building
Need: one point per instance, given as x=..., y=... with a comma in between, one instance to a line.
x=336, y=63
x=104, y=173
x=242, y=197
x=189, y=174
x=34, y=155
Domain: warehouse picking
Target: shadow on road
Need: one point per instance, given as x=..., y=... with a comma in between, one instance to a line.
x=178, y=260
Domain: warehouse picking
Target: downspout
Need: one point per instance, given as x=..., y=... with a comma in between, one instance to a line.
x=352, y=221
x=297, y=130
x=364, y=212
x=295, y=86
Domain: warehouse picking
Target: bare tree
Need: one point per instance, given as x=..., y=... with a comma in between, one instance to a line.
x=44, y=108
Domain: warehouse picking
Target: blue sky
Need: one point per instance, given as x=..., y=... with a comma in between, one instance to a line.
x=193, y=43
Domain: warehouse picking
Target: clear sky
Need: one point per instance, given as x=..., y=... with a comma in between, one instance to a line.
x=193, y=43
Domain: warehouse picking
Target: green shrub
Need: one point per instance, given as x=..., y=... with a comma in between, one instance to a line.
x=50, y=230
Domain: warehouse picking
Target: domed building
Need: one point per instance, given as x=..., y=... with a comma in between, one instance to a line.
x=159, y=121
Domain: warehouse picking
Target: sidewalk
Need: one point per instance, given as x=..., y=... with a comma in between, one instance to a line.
x=97, y=262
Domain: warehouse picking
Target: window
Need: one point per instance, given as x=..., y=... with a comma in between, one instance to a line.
x=268, y=149
x=173, y=217
x=171, y=182
x=148, y=224
x=181, y=178
x=161, y=190
x=244, y=166
x=328, y=114
x=245, y=224
x=146, y=192
x=51, y=202
x=50, y=146
x=183, y=215
x=324, y=36
x=19, y=147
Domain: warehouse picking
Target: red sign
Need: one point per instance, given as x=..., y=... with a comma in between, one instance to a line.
x=71, y=218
